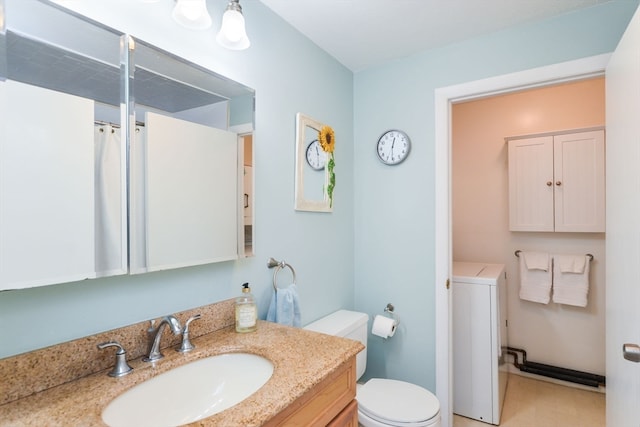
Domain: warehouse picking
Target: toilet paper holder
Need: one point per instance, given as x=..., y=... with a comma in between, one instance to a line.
x=390, y=309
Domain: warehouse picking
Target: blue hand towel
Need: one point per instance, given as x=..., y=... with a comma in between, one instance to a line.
x=285, y=307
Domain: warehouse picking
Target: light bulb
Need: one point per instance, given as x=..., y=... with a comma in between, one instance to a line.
x=232, y=34
x=192, y=14
x=233, y=25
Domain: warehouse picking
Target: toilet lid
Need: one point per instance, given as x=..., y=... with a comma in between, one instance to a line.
x=397, y=402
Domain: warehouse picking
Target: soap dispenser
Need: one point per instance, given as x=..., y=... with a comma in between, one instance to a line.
x=246, y=311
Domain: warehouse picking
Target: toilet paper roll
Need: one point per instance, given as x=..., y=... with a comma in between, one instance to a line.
x=383, y=326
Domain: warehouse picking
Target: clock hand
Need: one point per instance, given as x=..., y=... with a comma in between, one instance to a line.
x=392, y=144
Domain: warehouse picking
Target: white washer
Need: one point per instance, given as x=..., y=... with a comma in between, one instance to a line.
x=479, y=338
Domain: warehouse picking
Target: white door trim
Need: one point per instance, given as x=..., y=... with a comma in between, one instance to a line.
x=444, y=97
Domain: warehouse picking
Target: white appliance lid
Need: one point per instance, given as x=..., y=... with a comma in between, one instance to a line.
x=397, y=402
x=467, y=269
x=476, y=272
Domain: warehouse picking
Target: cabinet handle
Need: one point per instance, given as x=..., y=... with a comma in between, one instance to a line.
x=549, y=183
x=558, y=183
x=631, y=352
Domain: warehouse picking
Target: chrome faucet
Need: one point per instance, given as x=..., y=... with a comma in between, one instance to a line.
x=154, y=348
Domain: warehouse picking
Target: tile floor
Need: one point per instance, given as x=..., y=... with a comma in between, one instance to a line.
x=533, y=403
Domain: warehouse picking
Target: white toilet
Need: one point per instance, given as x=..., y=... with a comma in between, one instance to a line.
x=381, y=402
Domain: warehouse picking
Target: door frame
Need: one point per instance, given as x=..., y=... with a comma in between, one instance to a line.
x=579, y=69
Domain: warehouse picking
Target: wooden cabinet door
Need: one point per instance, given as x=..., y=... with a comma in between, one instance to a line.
x=348, y=417
x=579, y=182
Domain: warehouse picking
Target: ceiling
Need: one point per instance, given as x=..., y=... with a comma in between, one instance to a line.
x=364, y=33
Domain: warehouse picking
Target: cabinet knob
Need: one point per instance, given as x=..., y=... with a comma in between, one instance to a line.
x=549, y=183
x=631, y=352
x=558, y=183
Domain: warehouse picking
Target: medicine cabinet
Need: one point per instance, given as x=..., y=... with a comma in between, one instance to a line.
x=187, y=167
x=115, y=157
x=557, y=182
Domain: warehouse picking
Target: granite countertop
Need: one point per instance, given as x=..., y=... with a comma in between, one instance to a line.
x=301, y=360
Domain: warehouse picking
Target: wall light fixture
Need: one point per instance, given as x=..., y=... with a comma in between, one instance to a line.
x=232, y=34
x=192, y=14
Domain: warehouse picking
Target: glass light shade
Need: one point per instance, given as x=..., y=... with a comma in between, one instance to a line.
x=232, y=34
x=192, y=14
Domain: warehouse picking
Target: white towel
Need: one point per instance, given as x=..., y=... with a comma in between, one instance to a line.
x=285, y=306
x=536, y=260
x=535, y=283
x=570, y=263
x=570, y=288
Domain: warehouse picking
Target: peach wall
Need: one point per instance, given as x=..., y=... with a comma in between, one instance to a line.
x=555, y=334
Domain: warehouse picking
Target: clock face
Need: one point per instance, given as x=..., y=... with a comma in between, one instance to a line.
x=393, y=147
x=316, y=157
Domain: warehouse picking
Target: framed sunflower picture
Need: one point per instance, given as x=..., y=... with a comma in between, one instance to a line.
x=315, y=165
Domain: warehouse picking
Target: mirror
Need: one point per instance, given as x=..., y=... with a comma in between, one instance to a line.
x=66, y=125
x=62, y=164
x=315, y=176
x=187, y=164
x=247, y=197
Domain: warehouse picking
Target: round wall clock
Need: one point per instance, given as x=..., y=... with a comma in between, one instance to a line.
x=316, y=157
x=393, y=147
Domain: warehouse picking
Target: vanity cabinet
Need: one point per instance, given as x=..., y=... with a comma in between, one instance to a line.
x=330, y=403
x=557, y=182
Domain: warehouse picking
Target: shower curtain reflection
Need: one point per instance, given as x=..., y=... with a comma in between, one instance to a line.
x=108, y=205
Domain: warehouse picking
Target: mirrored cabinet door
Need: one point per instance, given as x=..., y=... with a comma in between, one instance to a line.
x=186, y=164
x=62, y=176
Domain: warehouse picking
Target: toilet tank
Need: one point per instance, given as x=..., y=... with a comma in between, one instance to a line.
x=346, y=324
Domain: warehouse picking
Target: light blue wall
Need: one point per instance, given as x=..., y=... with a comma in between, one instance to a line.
x=394, y=206
x=289, y=74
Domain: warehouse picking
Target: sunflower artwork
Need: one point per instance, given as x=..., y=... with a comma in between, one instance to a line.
x=327, y=139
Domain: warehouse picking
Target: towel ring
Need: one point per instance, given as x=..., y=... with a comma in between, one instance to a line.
x=279, y=265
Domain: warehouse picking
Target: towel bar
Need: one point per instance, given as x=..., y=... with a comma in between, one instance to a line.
x=279, y=265
x=517, y=253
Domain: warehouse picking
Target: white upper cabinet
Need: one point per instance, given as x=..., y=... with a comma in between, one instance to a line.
x=557, y=183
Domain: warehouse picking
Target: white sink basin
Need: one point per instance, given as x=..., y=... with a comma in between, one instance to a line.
x=190, y=392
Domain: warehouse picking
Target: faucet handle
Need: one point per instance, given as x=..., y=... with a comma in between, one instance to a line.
x=121, y=367
x=186, y=342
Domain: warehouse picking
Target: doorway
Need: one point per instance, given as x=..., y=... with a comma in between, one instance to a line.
x=554, y=334
x=444, y=97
